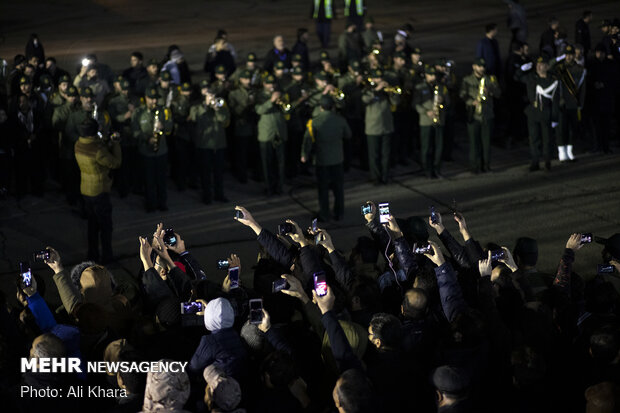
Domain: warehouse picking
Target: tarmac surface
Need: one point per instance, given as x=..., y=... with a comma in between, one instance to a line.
x=510, y=202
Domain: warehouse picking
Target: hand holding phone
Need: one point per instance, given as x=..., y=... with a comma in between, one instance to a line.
x=256, y=311
x=191, y=307
x=25, y=274
x=384, y=212
x=233, y=277
x=497, y=255
x=279, y=285
x=586, y=238
x=434, y=218
x=170, y=237
x=366, y=208
x=42, y=255
x=315, y=225
x=285, y=228
x=223, y=264
x=320, y=284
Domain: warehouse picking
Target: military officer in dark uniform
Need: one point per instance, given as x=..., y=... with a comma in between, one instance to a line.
x=429, y=101
x=241, y=101
x=183, y=138
x=478, y=91
x=324, y=140
x=379, y=126
x=150, y=125
x=295, y=91
x=221, y=85
x=542, y=111
x=398, y=77
x=351, y=85
x=283, y=79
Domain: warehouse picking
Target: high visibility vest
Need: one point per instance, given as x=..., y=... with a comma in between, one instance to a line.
x=359, y=7
x=328, y=9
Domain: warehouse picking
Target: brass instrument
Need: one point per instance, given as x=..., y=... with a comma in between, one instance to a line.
x=284, y=105
x=481, y=96
x=157, y=132
x=338, y=94
x=397, y=90
x=369, y=82
x=437, y=105
x=217, y=103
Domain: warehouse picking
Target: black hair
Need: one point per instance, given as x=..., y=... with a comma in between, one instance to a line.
x=134, y=381
x=301, y=31
x=280, y=367
x=327, y=104
x=51, y=59
x=605, y=343
x=138, y=55
x=517, y=45
x=586, y=13
x=490, y=27
x=367, y=290
x=355, y=392
x=386, y=328
x=367, y=249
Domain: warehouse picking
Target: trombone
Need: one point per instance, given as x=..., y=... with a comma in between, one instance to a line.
x=397, y=90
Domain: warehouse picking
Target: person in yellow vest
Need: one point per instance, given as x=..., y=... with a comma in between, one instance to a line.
x=354, y=11
x=96, y=158
x=323, y=11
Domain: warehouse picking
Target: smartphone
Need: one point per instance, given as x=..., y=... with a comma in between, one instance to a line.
x=279, y=285
x=256, y=311
x=315, y=225
x=586, y=238
x=26, y=274
x=223, y=264
x=498, y=255
x=320, y=284
x=285, y=228
x=238, y=214
x=434, y=218
x=605, y=269
x=42, y=255
x=423, y=250
x=192, y=307
x=318, y=238
x=384, y=212
x=170, y=238
x=233, y=276
x=366, y=209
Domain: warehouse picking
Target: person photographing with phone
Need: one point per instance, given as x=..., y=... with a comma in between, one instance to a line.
x=96, y=158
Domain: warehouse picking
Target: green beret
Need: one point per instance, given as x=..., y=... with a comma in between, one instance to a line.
x=72, y=91
x=87, y=93
x=186, y=87
x=152, y=93
x=251, y=57
x=245, y=74
x=64, y=78
x=165, y=76
x=220, y=69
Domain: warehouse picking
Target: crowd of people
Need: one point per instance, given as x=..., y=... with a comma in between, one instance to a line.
x=398, y=106
x=398, y=323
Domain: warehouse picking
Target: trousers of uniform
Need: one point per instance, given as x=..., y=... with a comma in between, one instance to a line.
x=185, y=163
x=293, y=151
x=379, y=147
x=155, y=168
x=569, y=127
x=359, y=147
x=431, y=137
x=602, y=128
x=240, y=157
x=323, y=31
x=29, y=171
x=127, y=175
x=330, y=177
x=272, y=159
x=211, y=164
x=99, y=213
x=402, y=131
x=480, y=143
x=539, y=128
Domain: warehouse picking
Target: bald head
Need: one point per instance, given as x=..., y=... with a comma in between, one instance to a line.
x=415, y=303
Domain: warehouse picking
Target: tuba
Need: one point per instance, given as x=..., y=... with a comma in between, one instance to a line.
x=157, y=132
x=481, y=96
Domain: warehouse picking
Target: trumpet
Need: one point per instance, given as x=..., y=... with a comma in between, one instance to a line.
x=481, y=97
x=338, y=94
x=437, y=105
x=369, y=82
x=284, y=105
x=397, y=90
x=157, y=132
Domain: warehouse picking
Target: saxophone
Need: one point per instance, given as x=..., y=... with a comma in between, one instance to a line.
x=157, y=132
x=481, y=97
x=437, y=105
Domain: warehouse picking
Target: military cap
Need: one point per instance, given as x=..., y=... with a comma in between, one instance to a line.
x=153, y=62
x=45, y=80
x=124, y=84
x=429, y=70
x=64, y=78
x=297, y=71
x=400, y=55
x=542, y=59
x=72, y=91
x=251, y=57
x=324, y=55
x=86, y=92
x=152, y=93
x=376, y=73
x=321, y=75
x=165, y=76
x=296, y=57
x=369, y=19
x=416, y=50
x=89, y=127
x=245, y=74
x=612, y=245
x=355, y=65
x=204, y=83
x=569, y=49
x=220, y=69
x=24, y=80
x=119, y=78
x=480, y=62
x=440, y=62
x=451, y=380
x=269, y=79
x=186, y=87
x=279, y=65
x=326, y=101
x=605, y=23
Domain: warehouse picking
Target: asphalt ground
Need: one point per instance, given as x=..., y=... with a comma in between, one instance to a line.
x=499, y=207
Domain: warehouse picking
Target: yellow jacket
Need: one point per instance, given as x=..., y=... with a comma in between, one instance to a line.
x=95, y=160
